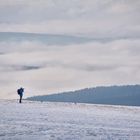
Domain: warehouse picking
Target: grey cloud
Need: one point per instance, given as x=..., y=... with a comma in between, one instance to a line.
x=9, y=14
x=92, y=67
x=98, y=67
x=37, y=11
x=90, y=18
x=1, y=53
x=57, y=39
x=60, y=64
x=49, y=39
x=17, y=68
x=40, y=10
x=82, y=66
x=14, y=68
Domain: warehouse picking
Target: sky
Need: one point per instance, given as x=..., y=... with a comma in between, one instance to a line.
x=51, y=46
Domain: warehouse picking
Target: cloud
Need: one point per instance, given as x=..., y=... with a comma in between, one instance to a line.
x=23, y=68
x=97, y=43
x=49, y=39
x=44, y=69
x=88, y=18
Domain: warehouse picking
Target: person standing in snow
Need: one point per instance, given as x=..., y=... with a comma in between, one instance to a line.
x=20, y=93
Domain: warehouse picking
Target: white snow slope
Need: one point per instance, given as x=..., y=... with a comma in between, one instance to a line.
x=67, y=121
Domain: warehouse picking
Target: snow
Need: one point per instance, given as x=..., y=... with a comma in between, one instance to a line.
x=67, y=121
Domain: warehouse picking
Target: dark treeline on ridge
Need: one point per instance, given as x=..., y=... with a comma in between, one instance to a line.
x=114, y=95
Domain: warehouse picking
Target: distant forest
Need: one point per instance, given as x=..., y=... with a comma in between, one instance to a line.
x=114, y=95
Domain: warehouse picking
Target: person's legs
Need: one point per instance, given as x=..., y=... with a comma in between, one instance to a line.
x=20, y=99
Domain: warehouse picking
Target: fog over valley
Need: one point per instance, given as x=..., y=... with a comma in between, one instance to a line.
x=55, y=46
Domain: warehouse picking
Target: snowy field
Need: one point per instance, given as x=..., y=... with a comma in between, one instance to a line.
x=67, y=121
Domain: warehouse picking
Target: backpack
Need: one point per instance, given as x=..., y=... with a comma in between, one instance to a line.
x=18, y=91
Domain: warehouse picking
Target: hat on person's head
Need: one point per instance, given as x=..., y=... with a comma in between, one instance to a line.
x=22, y=88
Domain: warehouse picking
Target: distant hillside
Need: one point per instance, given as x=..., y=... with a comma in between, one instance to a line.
x=113, y=95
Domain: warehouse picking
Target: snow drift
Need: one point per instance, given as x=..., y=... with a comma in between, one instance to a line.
x=59, y=121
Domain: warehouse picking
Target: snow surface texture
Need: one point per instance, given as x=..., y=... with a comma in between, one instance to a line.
x=67, y=121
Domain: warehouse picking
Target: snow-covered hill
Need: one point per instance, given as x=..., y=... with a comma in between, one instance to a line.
x=51, y=121
x=128, y=95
